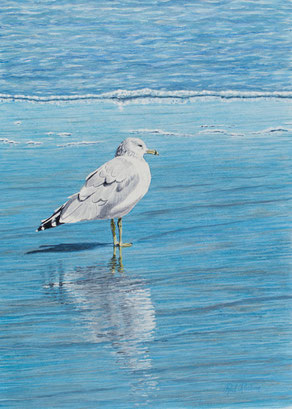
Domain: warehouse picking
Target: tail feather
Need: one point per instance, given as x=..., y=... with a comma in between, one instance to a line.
x=72, y=211
x=52, y=221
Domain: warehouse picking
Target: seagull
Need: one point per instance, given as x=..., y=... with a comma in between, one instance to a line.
x=110, y=192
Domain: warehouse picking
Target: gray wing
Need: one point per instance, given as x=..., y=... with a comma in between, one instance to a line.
x=104, y=189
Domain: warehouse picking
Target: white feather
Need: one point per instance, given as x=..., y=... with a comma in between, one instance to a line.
x=113, y=189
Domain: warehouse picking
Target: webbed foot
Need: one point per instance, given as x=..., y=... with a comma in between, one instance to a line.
x=123, y=244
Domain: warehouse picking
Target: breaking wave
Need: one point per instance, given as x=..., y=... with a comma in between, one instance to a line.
x=147, y=95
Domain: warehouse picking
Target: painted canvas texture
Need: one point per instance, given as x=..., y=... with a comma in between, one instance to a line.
x=197, y=312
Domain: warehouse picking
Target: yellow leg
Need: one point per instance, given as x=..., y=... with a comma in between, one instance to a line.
x=121, y=244
x=113, y=227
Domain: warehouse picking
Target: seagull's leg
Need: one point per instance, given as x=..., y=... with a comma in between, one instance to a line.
x=121, y=244
x=113, y=227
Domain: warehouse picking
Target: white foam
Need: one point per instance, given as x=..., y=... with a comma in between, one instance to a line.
x=64, y=134
x=34, y=143
x=147, y=95
x=213, y=130
x=8, y=141
x=159, y=132
x=78, y=143
x=278, y=129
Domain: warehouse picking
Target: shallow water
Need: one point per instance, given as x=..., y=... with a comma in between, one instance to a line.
x=197, y=313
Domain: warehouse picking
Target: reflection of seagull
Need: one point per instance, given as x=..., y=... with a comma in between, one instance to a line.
x=115, y=308
x=110, y=192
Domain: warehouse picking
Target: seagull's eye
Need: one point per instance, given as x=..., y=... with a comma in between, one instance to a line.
x=140, y=146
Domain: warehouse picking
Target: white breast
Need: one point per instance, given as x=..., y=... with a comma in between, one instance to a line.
x=144, y=176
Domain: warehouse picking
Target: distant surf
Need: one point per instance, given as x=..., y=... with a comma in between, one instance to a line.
x=147, y=95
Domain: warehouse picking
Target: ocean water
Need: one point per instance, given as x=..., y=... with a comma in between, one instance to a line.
x=66, y=47
x=197, y=313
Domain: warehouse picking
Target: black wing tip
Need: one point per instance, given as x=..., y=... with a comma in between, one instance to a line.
x=43, y=227
x=49, y=224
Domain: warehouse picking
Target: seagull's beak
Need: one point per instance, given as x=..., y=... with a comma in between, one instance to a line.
x=152, y=151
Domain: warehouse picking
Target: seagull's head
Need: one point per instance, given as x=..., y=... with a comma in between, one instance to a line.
x=134, y=147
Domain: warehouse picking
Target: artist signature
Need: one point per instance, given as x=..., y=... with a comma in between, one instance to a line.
x=241, y=387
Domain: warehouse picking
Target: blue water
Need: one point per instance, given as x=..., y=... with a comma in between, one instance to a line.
x=197, y=314
x=65, y=47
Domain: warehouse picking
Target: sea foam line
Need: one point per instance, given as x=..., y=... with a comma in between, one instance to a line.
x=78, y=143
x=158, y=132
x=147, y=94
